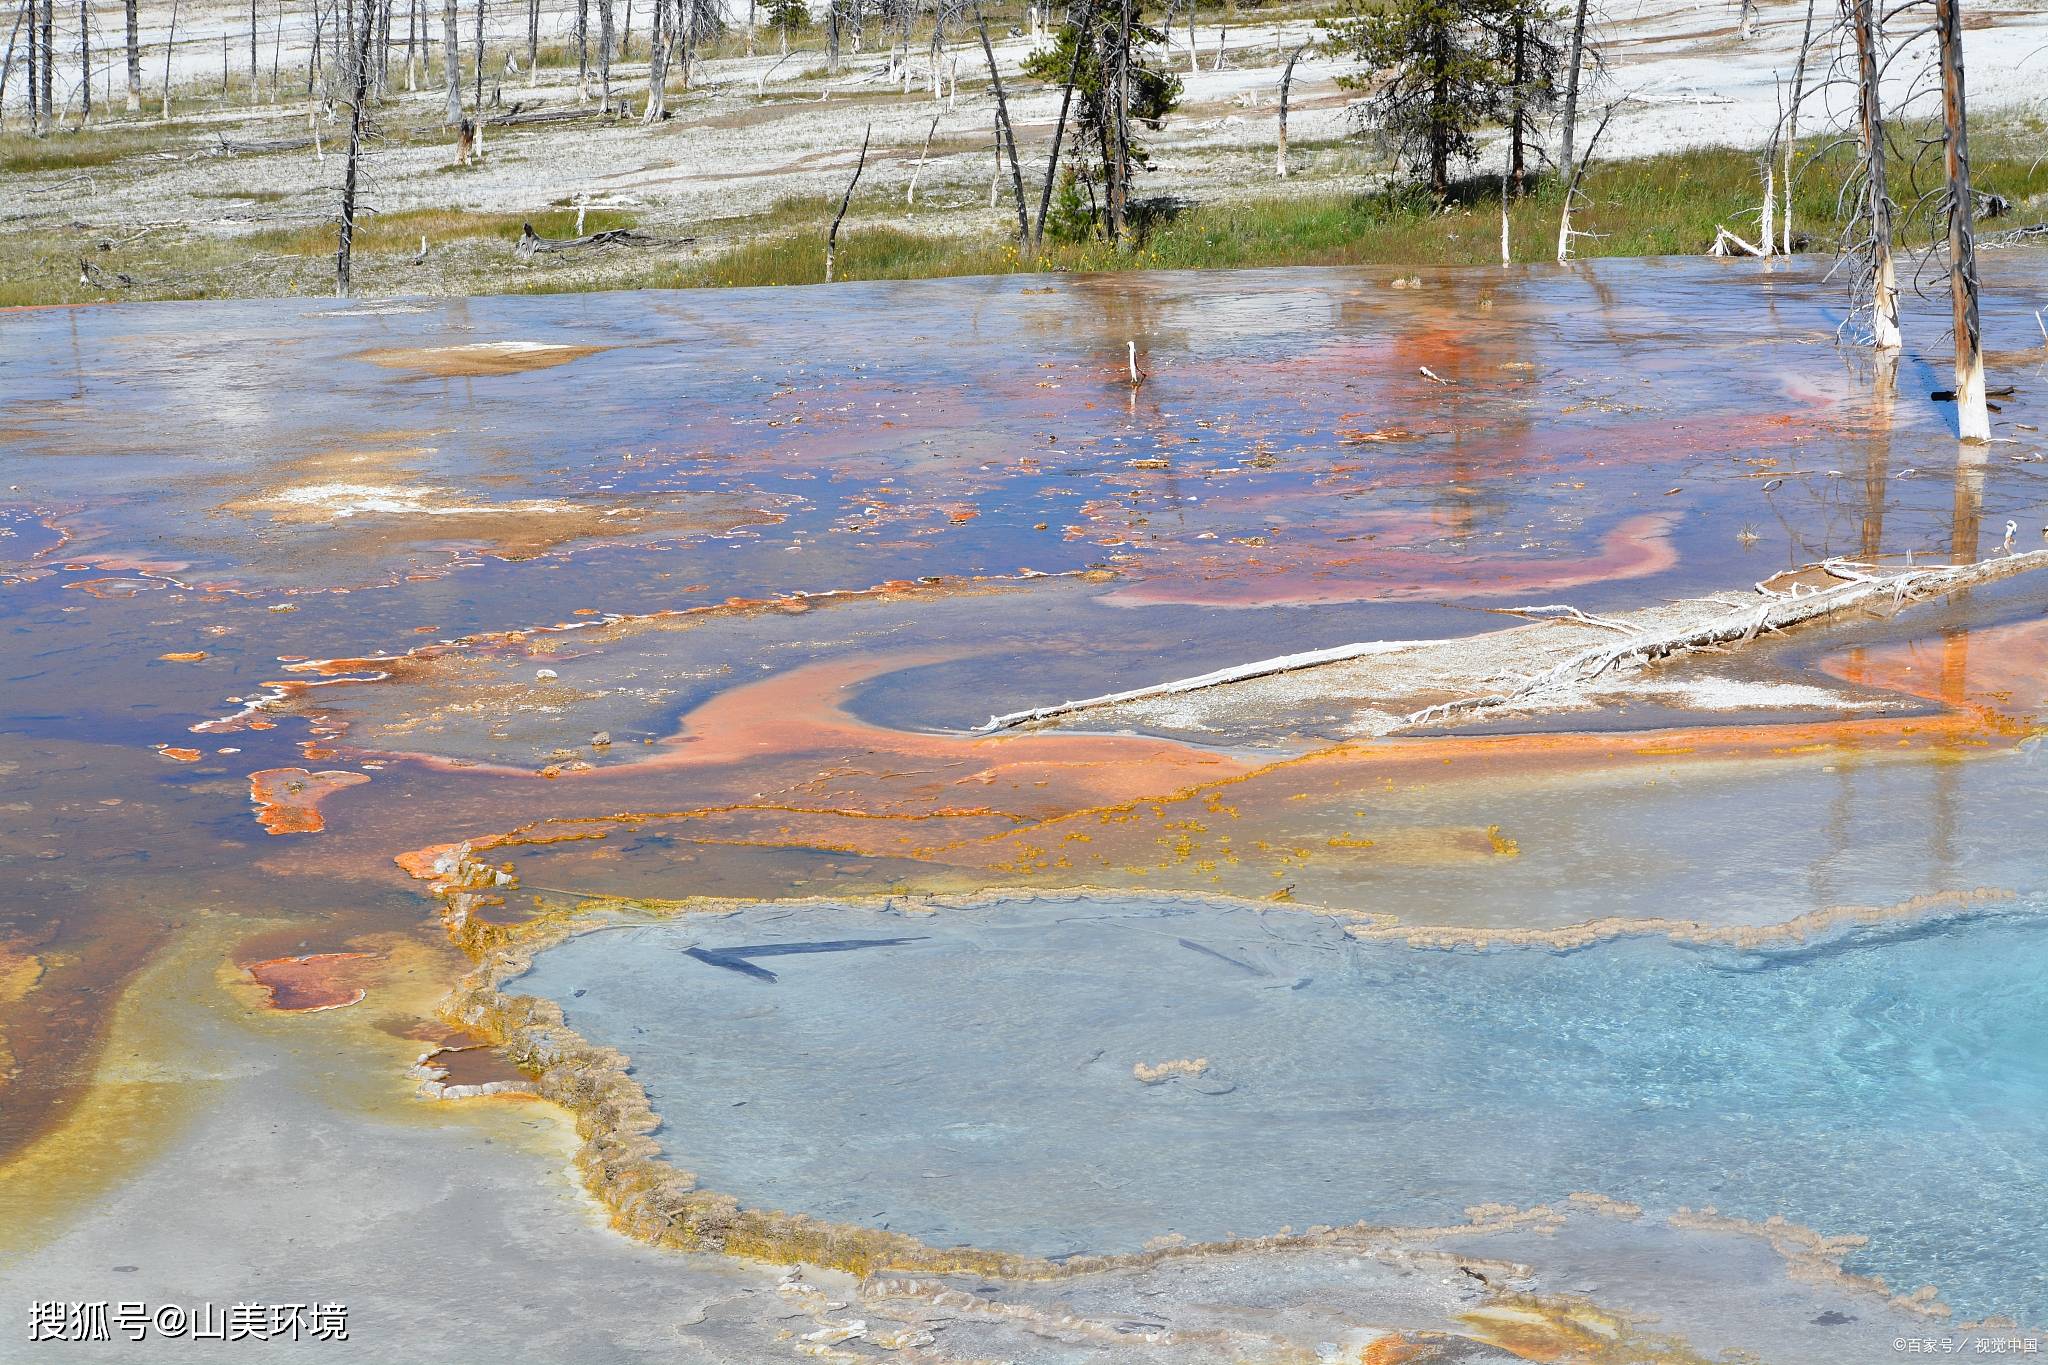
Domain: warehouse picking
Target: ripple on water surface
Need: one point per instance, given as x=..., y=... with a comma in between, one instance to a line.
x=1054, y=1077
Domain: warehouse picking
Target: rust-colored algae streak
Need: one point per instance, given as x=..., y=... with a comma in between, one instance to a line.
x=1317, y=575
x=288, y=799
x=479, y=358
x=599, y=628
x=313, y=981
x=1561, y=1331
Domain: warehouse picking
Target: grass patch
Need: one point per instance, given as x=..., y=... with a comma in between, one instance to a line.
x=400, y=233
x=85, y=148
x=1662, y=205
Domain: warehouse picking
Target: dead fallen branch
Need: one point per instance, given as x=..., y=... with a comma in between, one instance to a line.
x=1286, y=663
x=518, y=117
x=1850, y=586
x=1727, y=243
x=532, y=244
x=255, y=146
x=1859, y=585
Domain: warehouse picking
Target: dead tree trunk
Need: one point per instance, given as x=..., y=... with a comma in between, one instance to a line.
x=582, y=51
x=832, y=235
x=1518, y=97
x=451, y=57
x=532, y=41
x=476, y=100
x=657, y=65
x=84, y=63
x=170, y=45
x=1119, y=162
x=1792, y=124
x=50, y=63
x=1973, y=420
x=604, y=55
x=1565, y=231
x=134, y=56
x=7, y=63
x=359, y=86
x=1286, y=85
x=35, y=105
x=1004, y=133
x=1574, y=59
x=1059, y=129
x=1877, y=214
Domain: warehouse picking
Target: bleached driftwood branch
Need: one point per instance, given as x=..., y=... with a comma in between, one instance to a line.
x=1286, y=663
x=532, y=243
x=1860, y=585
x=1857, y=585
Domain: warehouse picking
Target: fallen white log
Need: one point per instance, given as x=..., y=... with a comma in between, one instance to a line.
x=1857, y=585
x=1724, y=239
x=1861, y=585
x=1286, y=663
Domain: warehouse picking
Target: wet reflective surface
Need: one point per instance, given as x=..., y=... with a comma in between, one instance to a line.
x=655, y=598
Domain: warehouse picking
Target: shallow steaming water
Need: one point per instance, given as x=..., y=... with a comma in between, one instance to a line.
x=975, y=1083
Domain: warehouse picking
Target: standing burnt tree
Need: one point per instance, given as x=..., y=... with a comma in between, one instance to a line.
x=1574, y=63
x=358, y=76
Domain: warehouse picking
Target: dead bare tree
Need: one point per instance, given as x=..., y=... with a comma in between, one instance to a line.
x=1973, y=420
x=359, y=88
x=134, y=36
x=604, y=55
x=1792, y=124
x=662, y=43
x=1059, y=128
x=84, y=62
x=832, y=235
x=477, y=99
x=7, y=63
x=50, y=63
x=451, y=57
x=1566, y=233
x=28, y=13
x=170, y=45
x=1878, y=280
x=1574, y=59
x=910, y=192
x=1004, y=132
x=1286, y=85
